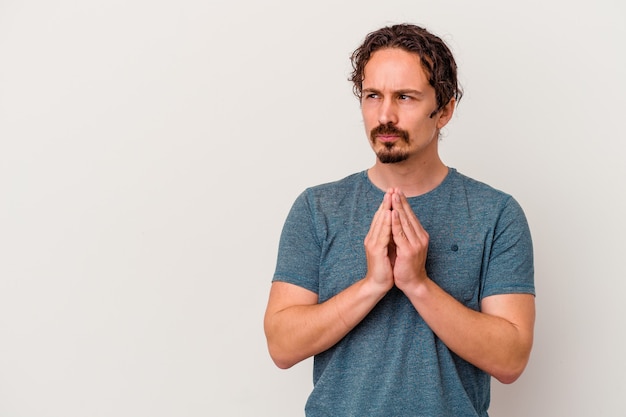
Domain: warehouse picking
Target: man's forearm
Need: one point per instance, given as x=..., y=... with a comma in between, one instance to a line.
x=497, y=340
x=300, y=330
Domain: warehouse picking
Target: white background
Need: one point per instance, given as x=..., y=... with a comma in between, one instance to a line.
x=150, y=151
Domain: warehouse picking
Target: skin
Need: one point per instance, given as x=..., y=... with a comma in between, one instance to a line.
x=498, y=339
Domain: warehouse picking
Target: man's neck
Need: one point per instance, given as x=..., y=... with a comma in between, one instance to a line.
x=412, y=179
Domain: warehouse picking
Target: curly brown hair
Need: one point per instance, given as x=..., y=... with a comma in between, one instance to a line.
x=435, y=56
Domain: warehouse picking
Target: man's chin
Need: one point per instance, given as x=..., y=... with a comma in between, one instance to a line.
x=387, y=157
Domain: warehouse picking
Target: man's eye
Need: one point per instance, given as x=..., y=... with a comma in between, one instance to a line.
x=404, y=97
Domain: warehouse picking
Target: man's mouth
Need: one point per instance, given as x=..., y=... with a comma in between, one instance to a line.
x=388, y=134
x=387, y=138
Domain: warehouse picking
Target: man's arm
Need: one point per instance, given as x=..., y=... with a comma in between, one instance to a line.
x=497, y=340
x=297, y=327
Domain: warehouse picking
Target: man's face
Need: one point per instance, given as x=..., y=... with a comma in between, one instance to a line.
x=397, y=104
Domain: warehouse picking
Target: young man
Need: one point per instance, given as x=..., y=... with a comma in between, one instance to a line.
x=410, y=283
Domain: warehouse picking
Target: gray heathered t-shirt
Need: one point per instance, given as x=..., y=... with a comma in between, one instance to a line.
x=392, y=364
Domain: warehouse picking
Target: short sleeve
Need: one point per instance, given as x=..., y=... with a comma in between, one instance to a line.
x=510, y=267
x=299, y=248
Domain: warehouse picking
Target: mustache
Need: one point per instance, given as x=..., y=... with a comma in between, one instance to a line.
x=389, y=129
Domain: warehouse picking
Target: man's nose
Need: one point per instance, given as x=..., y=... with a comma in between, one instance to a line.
x=387, y=113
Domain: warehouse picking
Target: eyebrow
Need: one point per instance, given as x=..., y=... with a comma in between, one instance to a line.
x=399, y=92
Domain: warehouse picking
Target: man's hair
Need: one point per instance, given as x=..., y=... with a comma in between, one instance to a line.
x=435, y=56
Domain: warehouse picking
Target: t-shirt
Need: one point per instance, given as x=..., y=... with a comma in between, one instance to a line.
x=392, y=364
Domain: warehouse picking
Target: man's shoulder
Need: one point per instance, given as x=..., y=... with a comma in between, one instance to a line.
x=354, y=190
x=338, y=186
x=348, y=181
x=484, y=200
x=477, y=189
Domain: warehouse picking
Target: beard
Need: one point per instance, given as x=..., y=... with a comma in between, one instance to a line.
x=390, y=154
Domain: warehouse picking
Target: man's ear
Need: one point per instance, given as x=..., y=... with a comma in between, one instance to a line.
x=445, y=114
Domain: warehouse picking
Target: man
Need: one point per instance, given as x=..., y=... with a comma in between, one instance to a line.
x=412, y=298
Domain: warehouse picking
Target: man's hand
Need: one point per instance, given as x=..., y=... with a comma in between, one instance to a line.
x=379, y=247
x=411, y=243
x=396, y=244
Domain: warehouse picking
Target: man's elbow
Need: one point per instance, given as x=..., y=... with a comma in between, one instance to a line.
x=512, y=371
x=278, y=352
x=280, y=359
x=282, y=364
x=507, y=377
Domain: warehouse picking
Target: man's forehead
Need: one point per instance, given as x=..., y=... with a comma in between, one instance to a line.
x=394, y=64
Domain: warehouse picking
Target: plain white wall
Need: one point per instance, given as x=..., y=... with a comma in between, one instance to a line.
x=150, y=151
